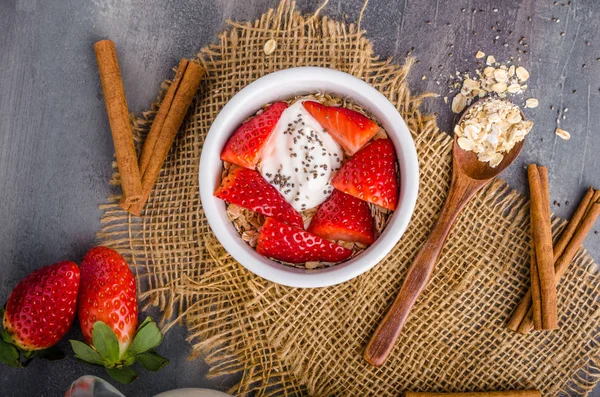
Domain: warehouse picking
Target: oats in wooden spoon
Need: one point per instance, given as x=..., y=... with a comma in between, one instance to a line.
x=491, y=128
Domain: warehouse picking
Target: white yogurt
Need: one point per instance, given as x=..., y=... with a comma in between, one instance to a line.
x=300, y=158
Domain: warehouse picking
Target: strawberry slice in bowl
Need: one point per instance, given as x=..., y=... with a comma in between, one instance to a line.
x=343, y=217
x=246, y=144
x=351, y=129
x=295, y=245
x=248, y=189
x=370, y=175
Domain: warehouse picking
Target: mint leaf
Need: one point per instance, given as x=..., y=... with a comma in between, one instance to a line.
x=86, y=353
x=123, y=375
x=105, y=341
x=152, y=361
x=9, y=354
x=147, y=338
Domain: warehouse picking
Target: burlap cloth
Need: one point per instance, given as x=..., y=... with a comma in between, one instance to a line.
x=309, y=341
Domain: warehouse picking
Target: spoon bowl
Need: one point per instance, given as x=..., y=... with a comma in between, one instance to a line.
x=473, y=168
x=469, y=175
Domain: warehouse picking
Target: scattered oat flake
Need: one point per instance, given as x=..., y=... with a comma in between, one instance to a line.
x=480, y=54
x=522, y=73
x=514, y=88
x=459, y=103
x=499, y=80
x=531, y=103
x=270, y=46
x=500, y=75
x=499, y=87
x=490, y=60
x=562, y=134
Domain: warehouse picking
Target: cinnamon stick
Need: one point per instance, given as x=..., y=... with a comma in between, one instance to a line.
x=520, y=313
x=567, y=234
x=161, y=115
x=166, y=124
x=118, y=117
x=570, y=251
x=543, y=267
x=527, y=324
x=536, y=292
x=579, y=226
x=505, y=393
x=524, y=308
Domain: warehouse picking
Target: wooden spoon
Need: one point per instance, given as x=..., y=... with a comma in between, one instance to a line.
x=469, y=175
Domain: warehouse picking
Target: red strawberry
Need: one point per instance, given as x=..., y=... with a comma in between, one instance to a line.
x=349, y=128
x=343, y=217
x=248, y=189
x=41, y=308
x=107, y=294
x=108, y=312
x=39, y=311
x=247, y=142
x=370, y=175
x=291, y=244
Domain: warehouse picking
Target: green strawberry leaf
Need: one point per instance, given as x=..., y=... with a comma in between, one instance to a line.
x=146, y=321
x=4, y=333
x=27, y=356
x=123, y=375
x=5, y=336
x=9, y=354
x=52, y=353
x=129, y=359
x=152, y=361
x=147, y=338
x=105, y=341
x=86, y=353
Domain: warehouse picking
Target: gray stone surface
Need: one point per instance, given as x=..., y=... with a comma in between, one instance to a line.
x=55, y=149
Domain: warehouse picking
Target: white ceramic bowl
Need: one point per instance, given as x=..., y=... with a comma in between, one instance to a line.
x=283, y=85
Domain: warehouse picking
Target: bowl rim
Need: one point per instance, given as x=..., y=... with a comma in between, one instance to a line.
x=406, y=155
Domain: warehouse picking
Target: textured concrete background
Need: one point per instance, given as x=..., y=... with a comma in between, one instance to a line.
x=56, y=151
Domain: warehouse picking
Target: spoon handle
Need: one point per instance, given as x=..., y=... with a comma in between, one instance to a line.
x=385, y=336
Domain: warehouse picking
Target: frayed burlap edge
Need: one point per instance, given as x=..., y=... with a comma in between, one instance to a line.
x=241, y=323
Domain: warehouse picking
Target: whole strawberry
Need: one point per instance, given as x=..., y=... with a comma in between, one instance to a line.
x=108, y=311
x=39, y=312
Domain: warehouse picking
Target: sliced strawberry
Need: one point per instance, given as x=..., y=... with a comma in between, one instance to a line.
x=248, y=189
x=291, y=244
x=343, y=217
x=246, y=144
x=370, y=175
x=349, y=128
